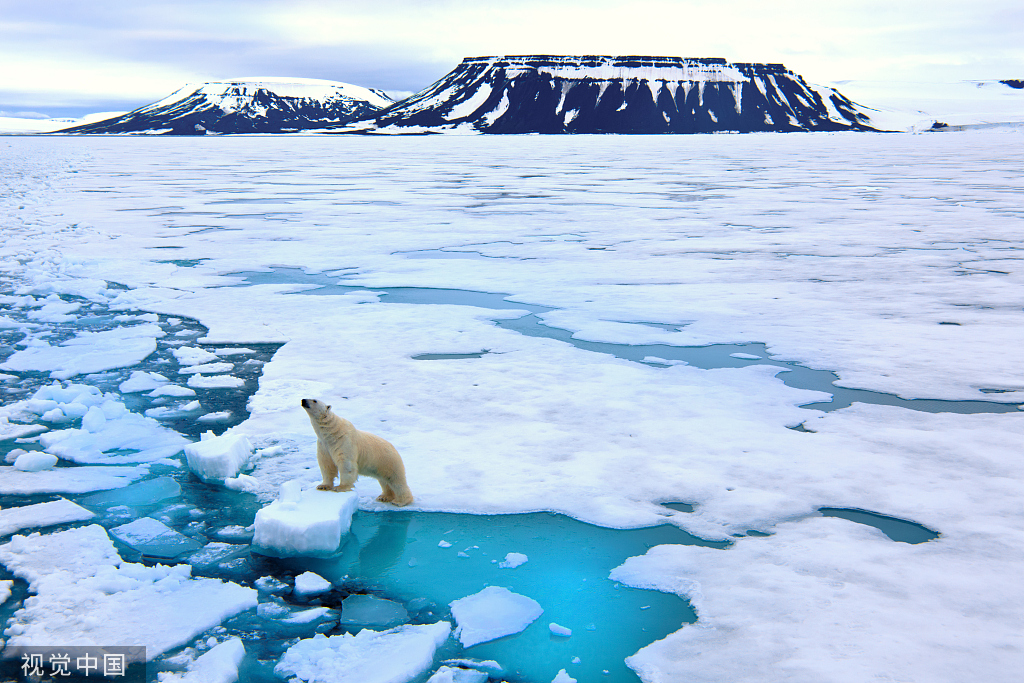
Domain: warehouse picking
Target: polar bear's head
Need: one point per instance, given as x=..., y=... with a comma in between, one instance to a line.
x=317, y=410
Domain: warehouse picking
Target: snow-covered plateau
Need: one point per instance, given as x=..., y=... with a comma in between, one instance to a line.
x=613, y=329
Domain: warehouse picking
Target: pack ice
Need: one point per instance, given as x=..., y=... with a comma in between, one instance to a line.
x=304, y=522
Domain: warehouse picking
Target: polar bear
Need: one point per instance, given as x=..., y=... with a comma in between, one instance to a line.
x=345, y=452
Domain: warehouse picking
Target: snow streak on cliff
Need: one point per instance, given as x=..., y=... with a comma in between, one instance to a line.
x=597, y=94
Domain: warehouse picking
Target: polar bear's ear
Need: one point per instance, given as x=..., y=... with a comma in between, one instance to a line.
x=328, y=407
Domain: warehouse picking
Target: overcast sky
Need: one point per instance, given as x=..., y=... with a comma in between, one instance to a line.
x=64, y=57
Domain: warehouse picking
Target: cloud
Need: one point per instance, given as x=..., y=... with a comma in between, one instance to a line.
x=142, y=50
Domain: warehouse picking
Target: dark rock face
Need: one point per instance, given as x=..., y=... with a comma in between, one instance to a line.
x=595, y=94
x=265, y=106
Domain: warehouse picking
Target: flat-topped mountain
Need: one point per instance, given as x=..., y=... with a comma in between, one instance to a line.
x=601, y=94
x=253, y=105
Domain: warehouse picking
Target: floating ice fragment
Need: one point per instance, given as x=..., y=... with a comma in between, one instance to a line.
x=215, y=382
x=444, y=544
x=154, y=538
x=142, y=381
x=492, y=613
x=40, y=515
x=214, y=552
x=5, y=590
x=193, y=355
x=369, y=610
x=222, y=416
x=314, y=523
x=68, y=479
x=80, y=566
x=308, y=584
x=513, y=560
x=216, y=458
x=35, y=461
x=447, y=674
x=172, y=390
x=475, y=664
x=394, y=656
x=218, y=665
x=563, y=677
x=243, y=483
x=270, y=584
x=88, y=352
x=211, y=368
x=142, y=493
x=745, y=356
x=559, y=630
x=17, y=431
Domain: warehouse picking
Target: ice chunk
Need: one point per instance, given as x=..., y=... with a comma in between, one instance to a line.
x=214, y=553
x=68, y=479
x=368, y=610
x=492, y=613
x=142, y=381
x=448, y=674
x=513, y=560
x=313, y=524
x=244, y=483
x=41, y=514
x=207, y=368
x=109, y=426
x=218, y=457
x=80, y=567
x=87, y=352
x=218, y=665
x=443, y=544
x=154, y=538
x=172, y=390
x=269, y=584
x=563, y=677
x=559, y=630
x=35, y=461
x=308, y=583
x=17, y=431
x=193, y=355
x=143, y=493
x=215, y=381
x=394, y=656
x=5, y=590
x=221, y=416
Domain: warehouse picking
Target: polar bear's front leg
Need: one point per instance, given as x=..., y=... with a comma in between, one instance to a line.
x=347, y=464
x=327, y=468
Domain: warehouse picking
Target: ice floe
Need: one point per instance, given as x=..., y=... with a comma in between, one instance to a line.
x=492, y=613
x=304, y=522
x=86, y=595
x=40, y=515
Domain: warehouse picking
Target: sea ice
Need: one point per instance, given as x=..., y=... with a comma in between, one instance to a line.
x=215, y=381
x=219, y=664
x=216, y=458
x=5, y=590
x=193, y=355
x=35, y=461
x=558, y=630
x=513, y=560
x=449, y=674
x=86, y=595
x=397, y=655
x=154, y=538
x=563, y=677
x=171, y=390
x=369, y=610
x=68, y=479
x=206, y=368
x=308, y=584
x=143, y=493
x=492, y=613
x=141, y=380
x=304, y=522
x=87, y=352
x=41, y=514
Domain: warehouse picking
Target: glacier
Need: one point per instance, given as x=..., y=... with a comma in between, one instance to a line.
x=891, y=261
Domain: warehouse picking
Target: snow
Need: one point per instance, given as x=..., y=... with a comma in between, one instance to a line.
x=494, y=612
x=304, y=522
x=35, y=461
x=558, y=630
x=87, y=352
x=192, y=355
x=397, y=655
x=5, y=590
x=215, y=382
x=86, y=595
x=218, y=665
x=843, y=252
x=513, y=560
x=218, y=457
x=308, y=584
x=141, y=380
x=41, y=514
x=449, y=674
